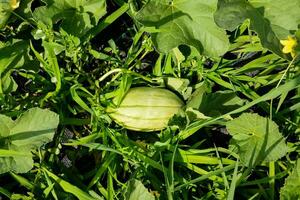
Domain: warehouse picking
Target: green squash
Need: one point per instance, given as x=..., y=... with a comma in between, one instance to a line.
x=146, y=109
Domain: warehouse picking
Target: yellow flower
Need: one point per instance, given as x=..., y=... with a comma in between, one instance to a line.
x=14, y=4
x=289, y=45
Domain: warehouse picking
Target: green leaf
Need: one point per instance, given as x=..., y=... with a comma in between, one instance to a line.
x=9, y=84
x=15, y=159
x=283, y=15
x=271, y=20
x=6, y=164
x=219, y=103
x=53, y=63
x=184, y=22
x=21, y=164
x=179, y=85
x=196, y=98
x=68, y=187
x=274, y=93
x=17, y=138
x=77, y=16
x=95, y=7
x=257, y=139
x=290, y=190
x=29, y=196
x=136, y=190
x=12, y=56
x=34, y=128
x=5, y=125
x=10, y=153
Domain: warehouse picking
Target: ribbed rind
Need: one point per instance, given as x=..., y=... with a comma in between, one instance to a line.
x=146, y=109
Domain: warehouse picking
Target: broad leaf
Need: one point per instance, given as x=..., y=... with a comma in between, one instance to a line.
x=136, y=190
x=283, y=15
x=6, y=164
x=21, y=164
x=271, y=20
x=184, y=22
x=219, y=103
x=77, y=16
x=12, y=56
x=196, y=98
x=33, y=129
x=257, y=139
x=290, y=190
x=180, y=85
x=6, y=124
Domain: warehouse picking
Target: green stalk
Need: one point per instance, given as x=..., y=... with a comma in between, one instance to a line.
x=272, y=181
x=106, y=22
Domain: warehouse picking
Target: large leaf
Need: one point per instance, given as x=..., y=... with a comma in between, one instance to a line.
x=21, y=164
x=12, y=56
x=257, y=139
x=271, y=20
x=6, y=124
x=31, y=130
x=219, y=103
x=184, y=22
x=283, y=15
x=136, y=190
x=77, y=16
x=290, y=190
x=34, y=128
x=6, y=164
x=274, y=93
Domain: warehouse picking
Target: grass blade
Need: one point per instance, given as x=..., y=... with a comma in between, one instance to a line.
x=23, y=181
x=206, y=176
x=106, y=22
x=191, y=129
x=235, y=177
x=68, y=187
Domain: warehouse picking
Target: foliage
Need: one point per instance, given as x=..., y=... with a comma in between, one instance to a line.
x=292, y=183
x=77, y=16
x=184, y=22
x=257, y=139
x=33, y=129
x=272, y=20
x=136, y=190
x=234, y=64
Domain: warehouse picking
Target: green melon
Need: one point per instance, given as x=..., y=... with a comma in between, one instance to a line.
x=146, y=109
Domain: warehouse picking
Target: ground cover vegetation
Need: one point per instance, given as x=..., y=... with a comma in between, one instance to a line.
x=66, y=65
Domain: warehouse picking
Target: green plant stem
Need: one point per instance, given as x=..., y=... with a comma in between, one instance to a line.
x=272, y=172
x=106, y=22
x=119, y=71
x=206, y=176
x=279, y=82
x=167, y=182
x=191, y=129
